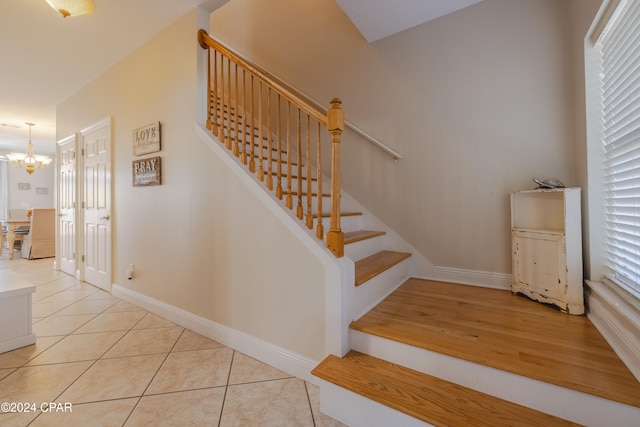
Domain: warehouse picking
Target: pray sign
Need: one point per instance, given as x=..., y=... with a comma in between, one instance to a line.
x=146, y=172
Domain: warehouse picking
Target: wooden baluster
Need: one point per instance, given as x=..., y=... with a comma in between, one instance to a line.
x=319, y=227
x=289, y=200
x=208, y=124
x=221, y=111
x=309, y=180
x=243, y=129
x=236, y=145
x=335, y=126
x=269, y=142
x=227, y=105
x=215, y=127
x=252, y=138
x=279, y=151
x=299, y=209
x=260, y=141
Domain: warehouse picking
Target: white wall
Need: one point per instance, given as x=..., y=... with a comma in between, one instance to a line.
x=201, y=241
x=41, y=178
x=478, y=102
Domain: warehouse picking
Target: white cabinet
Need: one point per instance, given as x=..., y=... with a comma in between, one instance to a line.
x=15, y=311
x=546, y=242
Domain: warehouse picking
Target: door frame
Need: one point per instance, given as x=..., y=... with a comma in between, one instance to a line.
x=80, y=200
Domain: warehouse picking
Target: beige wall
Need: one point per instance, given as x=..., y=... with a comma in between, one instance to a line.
x=478, y=102
x=200, y=241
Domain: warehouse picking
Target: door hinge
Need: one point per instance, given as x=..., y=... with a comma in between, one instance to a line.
x=82, y=258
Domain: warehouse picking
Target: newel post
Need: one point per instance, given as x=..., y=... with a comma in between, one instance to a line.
x=203, y=44
x=335, y=126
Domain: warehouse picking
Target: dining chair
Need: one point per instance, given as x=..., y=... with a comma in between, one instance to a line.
x=20, y=231
x=40, y=242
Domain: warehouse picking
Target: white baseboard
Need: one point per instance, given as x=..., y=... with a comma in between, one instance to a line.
x=484, y=279
x=617, y=320
x=261, y=350
x=17, y=342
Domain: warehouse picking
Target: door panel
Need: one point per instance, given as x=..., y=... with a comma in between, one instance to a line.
x=66, y=156
x=96, y=143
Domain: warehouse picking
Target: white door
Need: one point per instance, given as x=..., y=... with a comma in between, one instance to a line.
x=66, y=156
x=96, y=146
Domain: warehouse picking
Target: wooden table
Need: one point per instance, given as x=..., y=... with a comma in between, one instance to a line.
x=11, y=225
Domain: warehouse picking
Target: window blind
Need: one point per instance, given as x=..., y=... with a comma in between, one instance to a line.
x=620, y=49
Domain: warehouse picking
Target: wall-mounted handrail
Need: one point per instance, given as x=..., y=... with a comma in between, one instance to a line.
x=355, y=129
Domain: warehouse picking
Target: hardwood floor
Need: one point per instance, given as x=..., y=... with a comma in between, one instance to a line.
x=505, y=331
x=427, y=398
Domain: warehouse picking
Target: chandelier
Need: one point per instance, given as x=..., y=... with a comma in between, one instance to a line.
x=72, y=7
x=29, y=160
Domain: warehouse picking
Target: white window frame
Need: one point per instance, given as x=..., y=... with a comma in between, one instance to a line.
x=596, y=234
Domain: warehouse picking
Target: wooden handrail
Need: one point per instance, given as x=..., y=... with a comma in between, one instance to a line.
x=206, y=42
x=261, y=120
x=315, y=104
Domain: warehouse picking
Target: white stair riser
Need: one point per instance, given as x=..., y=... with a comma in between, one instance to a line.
x=346, y=222
x=369, y=294
x=326, y=203
x=558, y=401
x=365, y=248
x=355, y=410
x=294, y=186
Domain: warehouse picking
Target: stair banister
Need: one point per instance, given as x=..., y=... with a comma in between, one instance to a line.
x=227, y=108
x=335, y=125
x=207, y=42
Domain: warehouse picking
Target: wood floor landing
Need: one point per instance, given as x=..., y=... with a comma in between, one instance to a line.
x=505, y=331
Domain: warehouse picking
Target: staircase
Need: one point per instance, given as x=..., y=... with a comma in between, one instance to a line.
x=390, y=377
x=444, y=354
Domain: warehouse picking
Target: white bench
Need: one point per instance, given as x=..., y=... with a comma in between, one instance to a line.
x=15, y=312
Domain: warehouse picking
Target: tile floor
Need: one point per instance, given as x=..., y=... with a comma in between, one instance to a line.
x=115, y=364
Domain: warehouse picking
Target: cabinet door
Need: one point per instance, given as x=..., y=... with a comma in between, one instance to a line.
x=539, y=265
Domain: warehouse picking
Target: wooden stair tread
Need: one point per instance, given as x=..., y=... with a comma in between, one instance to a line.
x=305, y=194
x=369, y=267
x=328, y=214
x=359, y=235
x=425, y=397
x=493, y=327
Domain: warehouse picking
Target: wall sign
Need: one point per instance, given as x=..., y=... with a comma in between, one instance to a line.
x=146, y=139
x=146, y=172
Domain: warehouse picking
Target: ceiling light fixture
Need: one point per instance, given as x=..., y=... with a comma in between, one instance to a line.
x=29, y=160
x=72, y=7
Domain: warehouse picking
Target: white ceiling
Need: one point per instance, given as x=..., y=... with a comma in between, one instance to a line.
x=45, y=58
x=377, y=19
